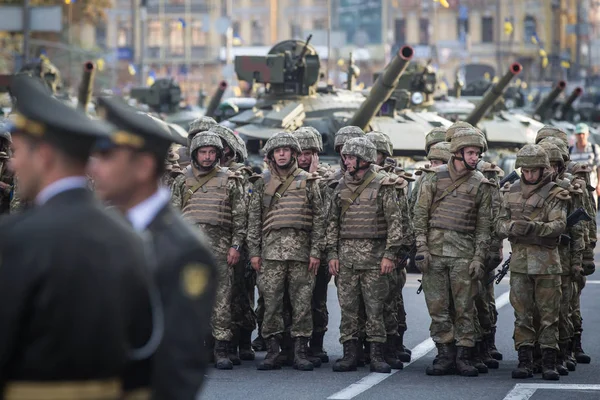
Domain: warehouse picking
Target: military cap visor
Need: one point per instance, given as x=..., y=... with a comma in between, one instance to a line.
x=134, y=130
x=40, y=116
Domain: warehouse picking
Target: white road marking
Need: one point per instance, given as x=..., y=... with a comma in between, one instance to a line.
x=524, y=391
x=592, y=282
x=418, y=352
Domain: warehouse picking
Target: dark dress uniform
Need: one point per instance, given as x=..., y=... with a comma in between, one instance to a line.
x=73, y=278
x=185, y=273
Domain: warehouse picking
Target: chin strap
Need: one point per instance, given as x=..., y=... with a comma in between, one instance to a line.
x=467, y=166
x=538, y=180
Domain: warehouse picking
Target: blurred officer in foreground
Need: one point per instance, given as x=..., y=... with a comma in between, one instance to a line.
x=127, y=168
x=72, y=277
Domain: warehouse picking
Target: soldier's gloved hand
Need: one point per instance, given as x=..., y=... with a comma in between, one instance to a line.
x=589, y=267
x=476, y=270
x=522, y=228
x=423, y=260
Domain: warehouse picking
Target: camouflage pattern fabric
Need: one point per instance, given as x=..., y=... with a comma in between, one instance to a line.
x=320, y=314
x=390, y=306
x=221, y=315
x=576, y=319
x=400, y=311
x=565, y=318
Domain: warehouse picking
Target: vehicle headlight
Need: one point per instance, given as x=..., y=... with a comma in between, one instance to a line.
x=417, y=98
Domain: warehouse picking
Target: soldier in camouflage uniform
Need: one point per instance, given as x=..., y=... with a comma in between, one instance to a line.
x=533, y=216
x=434, y=136
x=172, y=168
x=363, y=240
x=202, y=124
x=285, y=241
x=213, y=199
x=452, y=226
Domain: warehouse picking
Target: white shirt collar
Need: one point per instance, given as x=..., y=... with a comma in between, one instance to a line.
x=142, y=214
x=61, y=185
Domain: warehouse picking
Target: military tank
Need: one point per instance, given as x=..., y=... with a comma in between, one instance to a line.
x=292, y=97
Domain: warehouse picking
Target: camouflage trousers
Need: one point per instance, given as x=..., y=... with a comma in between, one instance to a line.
x=565, y=315
x=400, y=311
x=576, y=318
x=370, y=288
x=221, y=315
x=531, y=294
x=242, y=300
x=486, y=313
x=449, y=294
x=271, y=281
x=320, y=315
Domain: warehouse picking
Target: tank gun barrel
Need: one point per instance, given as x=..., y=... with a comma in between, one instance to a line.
x=547, y=102
x=86, y=86
x=570, y=100
x=215, y=100
x=383, y=88
x=303, y=52
x=495, y=92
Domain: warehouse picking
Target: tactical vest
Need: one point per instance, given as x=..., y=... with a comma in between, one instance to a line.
x=531, y=208
x=292, y=209
x=209, y=204
x=362, y=219
x=456, y=211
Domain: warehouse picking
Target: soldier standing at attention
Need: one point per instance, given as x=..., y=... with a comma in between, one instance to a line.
x=587, y=153
x=74, y=277
x=363, y=240
x=452, y=227
x=202, y=124
x=434, y=136
x=533, y=216
x=285, y=239
x=213, y=199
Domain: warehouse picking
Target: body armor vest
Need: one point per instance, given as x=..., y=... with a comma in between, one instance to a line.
x=520, y=208
x=210, y=203
x=456, y=211
x=292, y=209
x=363, y=219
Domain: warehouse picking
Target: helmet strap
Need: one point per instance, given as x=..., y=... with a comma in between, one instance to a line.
x=467, y=166
x=538, y=180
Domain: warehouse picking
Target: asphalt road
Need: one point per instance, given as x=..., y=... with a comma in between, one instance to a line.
x=245, y=382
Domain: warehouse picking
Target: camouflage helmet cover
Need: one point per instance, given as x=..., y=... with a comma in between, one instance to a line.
x=345, y=133
x=452, y=129
x=381, y=142
x=282, y=139
x=317, y=135
x=554, y=153
x=360, y=147
x=226, y=135
x=202, y=124
x=307, y=139
x=436, y=135
x=466, y=137
x=551, y=131
x=562, y=146
x=532, y=156
x=205, y=139
x=241, y=148
x=439, y=151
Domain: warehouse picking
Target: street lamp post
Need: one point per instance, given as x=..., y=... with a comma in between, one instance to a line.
x=143, y=25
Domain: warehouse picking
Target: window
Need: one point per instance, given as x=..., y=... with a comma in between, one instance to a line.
x=198, y=34
x=424, y=31
x=257, y=33
x=176, y=38
x=155, y=33
x=235, y=26
x=320, y=24
x=296, y=31
x=529, y=28
x=462, y=29
x=123, y=32
x=400, y=31
x=487, y=29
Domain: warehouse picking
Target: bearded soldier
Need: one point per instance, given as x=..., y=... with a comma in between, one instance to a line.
x=533, y=216
x=285, y=240
x=202, y=124
x=363, y=240
x=213, y=199
x=452, y=227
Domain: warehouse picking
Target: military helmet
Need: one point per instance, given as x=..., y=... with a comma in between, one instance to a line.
x=381, y=142
x=241, y=149
x=532, y=156
x=345, y=133
x=202, y=124
x=451, y=130
x=172, y=155
x=562, y=146
x=554, y=154
x=439, y=151
x=282, y=139
x=360, y=147
x=485, y=147
x=205, y=139
x=307, y=139
x=226, y=135
x=551, y=131
x=436, y=135
x=317, y=135
x=466, y=137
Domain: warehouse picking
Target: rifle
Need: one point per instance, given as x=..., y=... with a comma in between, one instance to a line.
x=249, y=270
x=510, y=178
x=407, y=255
x=502, y=271
x=577, y=216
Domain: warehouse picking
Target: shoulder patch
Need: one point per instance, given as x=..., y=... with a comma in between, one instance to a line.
x=194, y=279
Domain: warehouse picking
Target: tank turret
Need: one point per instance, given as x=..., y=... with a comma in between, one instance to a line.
x=86, y=86
x=542, y=109
x=163, y=96
x=493, y=95
x=382, y=88
x=215, y=100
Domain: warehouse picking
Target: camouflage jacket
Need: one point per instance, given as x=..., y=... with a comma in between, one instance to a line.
x=365, y=253
x=493, y=174
x=286, y=243
x=450, y=243
x=571, y=253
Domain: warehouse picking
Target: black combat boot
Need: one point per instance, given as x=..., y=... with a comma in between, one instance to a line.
x=486, y=357
x=348, y=362
x=549, y=372
x=270, y=361
x=245, y=345
x=300, y=349
x=525, y=367
x=222, y=360
x=232, y=350
x=360, y=354
x=286, y=355
x=537, y=359
x=570, y=361
x=378, y=364
x=578, y=352
x=316, y=347
x=402, y=352
x=464, y=364
x=389, y=353
x=367, y=350
x=490, y=338
x=476, y=359
x=259, y=344
x=561, y=358
x=444, y=363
